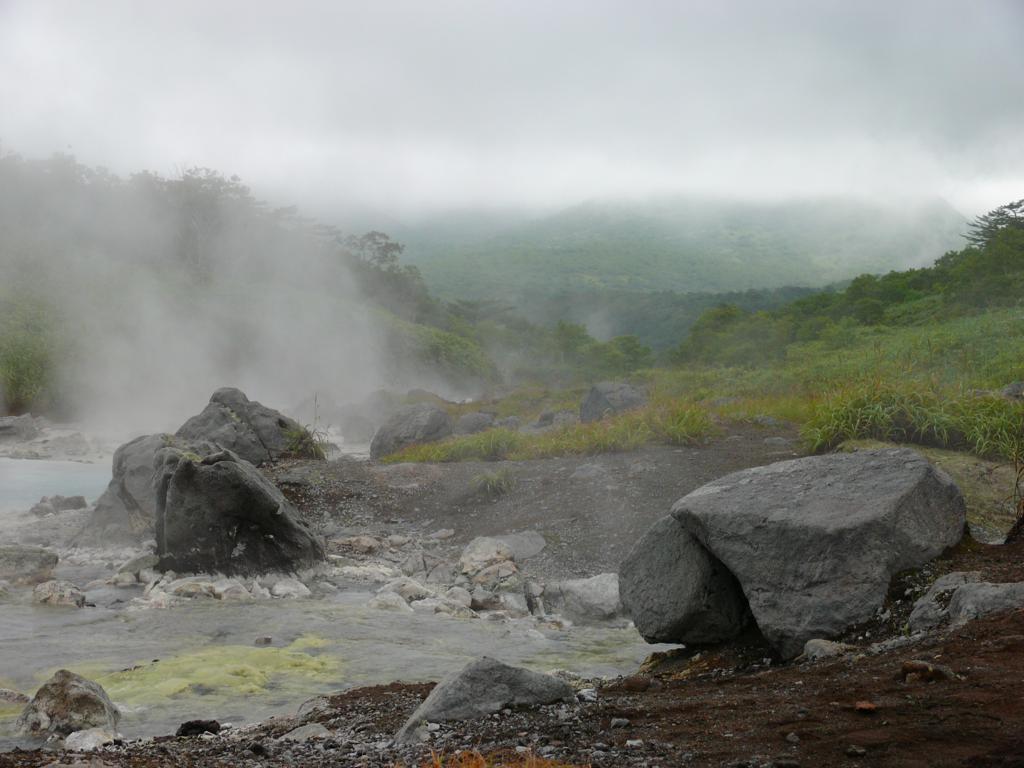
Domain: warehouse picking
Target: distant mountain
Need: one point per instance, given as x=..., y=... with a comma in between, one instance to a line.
x=678, y=244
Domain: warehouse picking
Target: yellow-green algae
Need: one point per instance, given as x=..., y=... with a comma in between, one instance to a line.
x=219, y=671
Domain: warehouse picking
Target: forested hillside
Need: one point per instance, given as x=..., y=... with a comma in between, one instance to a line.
x=677, y=244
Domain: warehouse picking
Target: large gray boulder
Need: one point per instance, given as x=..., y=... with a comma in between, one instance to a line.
x=593, y=599
x=234, y=422
x=974, y=600
x=219, y=513
x=26, y=565
x=481, y=688
x=609, y=398
x=471, y=423
x=67, y=703
x=677, y=592
x=814, y=542
x=127, y=508
x=418, y=423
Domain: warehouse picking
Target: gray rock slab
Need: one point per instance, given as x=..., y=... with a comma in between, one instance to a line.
x=67, y=703
x=676, y=592
x=814, y=542
x=419, y=423
x=220, y=514
x=481, y=688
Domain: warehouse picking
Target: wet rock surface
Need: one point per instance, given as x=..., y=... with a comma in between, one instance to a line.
x=25, y=564
x=676, y=591
x=418, y=423
x=221, y=514
x=250, y=429
x=67, y=703
x=814, y=542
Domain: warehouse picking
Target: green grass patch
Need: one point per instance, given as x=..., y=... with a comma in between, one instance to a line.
x=676, y=423
x=985, y=425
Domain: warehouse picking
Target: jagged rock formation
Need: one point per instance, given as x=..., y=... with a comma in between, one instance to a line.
x=67, y=703
x=609, y=398
x=419, y=423
x=219, y=514
x=813, y=542
x=481, y=688
x=234, y=422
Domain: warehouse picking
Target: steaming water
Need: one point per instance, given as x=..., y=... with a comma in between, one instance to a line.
x=24, y=481
x=359, y=645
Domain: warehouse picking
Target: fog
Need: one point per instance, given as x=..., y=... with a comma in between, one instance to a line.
x=390, y=112
x=400, y=107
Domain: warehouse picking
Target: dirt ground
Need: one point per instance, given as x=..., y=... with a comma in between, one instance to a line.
x=590, y=509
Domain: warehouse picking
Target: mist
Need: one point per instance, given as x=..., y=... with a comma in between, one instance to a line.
x=399, y=108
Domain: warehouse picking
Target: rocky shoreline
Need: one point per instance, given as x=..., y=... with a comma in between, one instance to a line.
x=867, y=615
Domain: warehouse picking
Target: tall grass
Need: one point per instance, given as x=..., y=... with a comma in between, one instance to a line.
x=29, y=351
x=986, y=425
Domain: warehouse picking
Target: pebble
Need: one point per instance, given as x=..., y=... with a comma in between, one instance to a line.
x=854, y=751
x=634, y=743
x=792, y=738
x=620, y=722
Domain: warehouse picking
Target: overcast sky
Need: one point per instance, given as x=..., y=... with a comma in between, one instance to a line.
x=437, y=103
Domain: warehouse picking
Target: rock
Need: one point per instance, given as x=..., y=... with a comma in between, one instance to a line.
x=220, y=514
x=127, y=508
x=926, y=671
x=26, y=565
x=306, y=732
x=932, y=609
x=501, y=574
x=442, y=534
x=397, y=540
x=49, y=505
x=524, y=544
x=288, y=587
x=814, y=542
x=361, y=545
x=610, y=398
x=817, y=649
x=7, y=696
x=593, y=599
x=389, y=601
x=407, y=588
x=22, y=428
x=483, y=552
x=89, y=739
x=471, y=423
x=252, y=431
x=972, y=601
x=58, y=593
x=459, y=596
x=419, y=423
x=1013, y=391
x=481, y=688
x=136, y=565
x=67, y=703
x=413, y=564
x=484, y=600
x=677, y=592
x=232, y=589
x=197, y=728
